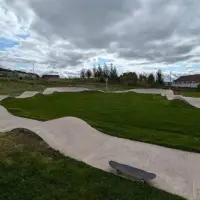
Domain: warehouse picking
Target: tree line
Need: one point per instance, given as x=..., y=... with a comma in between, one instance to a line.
x=100, y=73
x=131, y=78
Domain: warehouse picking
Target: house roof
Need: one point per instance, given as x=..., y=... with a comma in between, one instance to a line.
x=17, y=71
x=195, y=77
x=5, y=70
x=33, y=74
x=50, y=76
x=20, y=72
x=28, y=73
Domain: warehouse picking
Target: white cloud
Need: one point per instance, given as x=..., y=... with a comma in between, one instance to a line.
x=64, y=36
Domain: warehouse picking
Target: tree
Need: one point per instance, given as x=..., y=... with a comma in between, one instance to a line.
x=113, y=72
x=143, y=78
x=140, y=78
x=198, y=87
x=99, y=72
x=106, y=71
x=82, y=74
x=151, y=79
x=129, y=78
x=88, y=73
x=159, y=77
x=95, y=72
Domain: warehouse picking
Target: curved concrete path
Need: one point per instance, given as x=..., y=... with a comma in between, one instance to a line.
x=64, y=89
x=177, y=171
x=27, y=94
x=3, y=97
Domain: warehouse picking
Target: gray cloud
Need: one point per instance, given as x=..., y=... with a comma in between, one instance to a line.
x=83, y=23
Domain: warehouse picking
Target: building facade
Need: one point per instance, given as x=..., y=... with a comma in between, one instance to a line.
x=6, y=72
x=191, y=81
x=16, y=73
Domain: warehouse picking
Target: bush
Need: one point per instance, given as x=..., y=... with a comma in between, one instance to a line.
x=198, y=88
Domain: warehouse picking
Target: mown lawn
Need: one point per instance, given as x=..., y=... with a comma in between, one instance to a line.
x=142, y=117
x=30, y=169
x=191, y=94
x=15, y=86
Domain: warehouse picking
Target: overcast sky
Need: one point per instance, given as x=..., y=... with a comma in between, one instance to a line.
x=63, y=36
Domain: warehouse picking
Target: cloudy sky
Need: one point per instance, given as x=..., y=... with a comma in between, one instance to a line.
x=63, y=36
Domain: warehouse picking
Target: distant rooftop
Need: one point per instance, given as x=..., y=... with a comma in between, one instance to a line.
x=50, y=76
x=194, y=77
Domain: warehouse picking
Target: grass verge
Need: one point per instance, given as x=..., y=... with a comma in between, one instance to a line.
x=14, y=86
x=30, y=169
x=191, y=94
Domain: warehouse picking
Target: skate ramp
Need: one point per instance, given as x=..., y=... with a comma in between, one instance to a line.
x=64, y=89
x=27, y=94
x=3, y=97
x=151, y=91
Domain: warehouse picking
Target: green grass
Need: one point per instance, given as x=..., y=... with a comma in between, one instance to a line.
x=15, y=86
x=188, y=92
x=30, y=169
x=191, y=94
x=142, y=117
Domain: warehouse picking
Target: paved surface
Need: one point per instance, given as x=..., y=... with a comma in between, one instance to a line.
x=195, y=102
x=3, y=97
x=152, y=91
x=177, y=171
x=64, y=89
x=27, y=94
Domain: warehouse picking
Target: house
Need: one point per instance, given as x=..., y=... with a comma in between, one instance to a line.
x=20, y=74
x=191, y=81
x=32, y=75
x=16, y=73
x=50, y=76
x=6, y=72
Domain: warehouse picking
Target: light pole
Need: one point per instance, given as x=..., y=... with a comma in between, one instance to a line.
x=33, y=68
x=106, y=79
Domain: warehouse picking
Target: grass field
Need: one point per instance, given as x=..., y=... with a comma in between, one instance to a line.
x=30, y=169
x=14, y=86
x=142, y=117
x=191, y=94
x=188, y=92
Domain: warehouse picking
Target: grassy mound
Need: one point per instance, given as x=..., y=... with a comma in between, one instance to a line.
x=142, y=117
x=30, y=169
